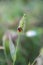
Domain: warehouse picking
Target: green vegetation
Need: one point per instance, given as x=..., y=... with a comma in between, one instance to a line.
x=30, y=41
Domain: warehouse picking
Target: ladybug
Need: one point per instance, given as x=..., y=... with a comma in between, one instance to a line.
x=20, y=29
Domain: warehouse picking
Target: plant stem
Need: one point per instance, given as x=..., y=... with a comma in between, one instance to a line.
x=18, y=41
x=33, y=62
x=17, y=47
x=13, y=63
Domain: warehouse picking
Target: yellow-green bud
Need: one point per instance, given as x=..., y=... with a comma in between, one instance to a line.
x=22, y=24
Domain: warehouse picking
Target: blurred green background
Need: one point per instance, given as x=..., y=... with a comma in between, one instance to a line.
x=11, y=11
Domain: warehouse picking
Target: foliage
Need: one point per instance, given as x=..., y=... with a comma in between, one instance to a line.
x=10, y=14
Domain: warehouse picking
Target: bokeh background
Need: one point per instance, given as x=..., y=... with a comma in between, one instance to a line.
x=11, y=11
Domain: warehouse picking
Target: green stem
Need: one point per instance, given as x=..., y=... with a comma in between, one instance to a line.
x=13, y=63
x=17, y=47
x=18, y=41
x=33, y=62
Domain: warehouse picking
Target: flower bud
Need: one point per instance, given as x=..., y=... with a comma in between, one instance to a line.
x=21, y=24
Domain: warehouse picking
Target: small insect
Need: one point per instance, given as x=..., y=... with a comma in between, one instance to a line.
x=20, y=29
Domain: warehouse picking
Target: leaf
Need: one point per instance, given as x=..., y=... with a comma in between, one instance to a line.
x=9, y=47
x=12, y=49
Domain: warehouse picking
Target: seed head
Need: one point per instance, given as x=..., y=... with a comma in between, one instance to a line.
x=21, y=24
